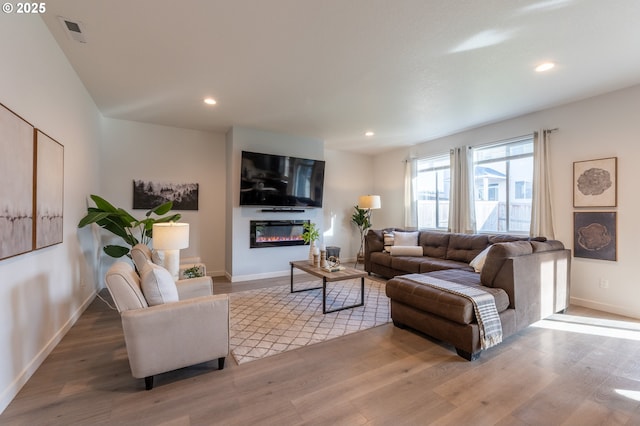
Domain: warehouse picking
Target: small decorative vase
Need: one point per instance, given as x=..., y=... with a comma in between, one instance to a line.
x=312, y=250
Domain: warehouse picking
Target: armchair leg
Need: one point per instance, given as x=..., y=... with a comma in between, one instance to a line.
x=148, y=382
x=221, y=363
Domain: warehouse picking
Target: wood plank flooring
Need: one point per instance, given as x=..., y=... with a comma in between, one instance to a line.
x=542, y=376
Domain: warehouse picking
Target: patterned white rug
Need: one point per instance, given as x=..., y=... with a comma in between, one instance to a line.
x=272, y=320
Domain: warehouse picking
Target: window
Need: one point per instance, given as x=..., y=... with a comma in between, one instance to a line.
x=503, y=179
x=432, y=192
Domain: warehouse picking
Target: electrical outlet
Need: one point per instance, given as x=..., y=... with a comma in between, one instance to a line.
x=604, y=283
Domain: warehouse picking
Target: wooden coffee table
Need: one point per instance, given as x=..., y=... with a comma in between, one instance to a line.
x=328, y=277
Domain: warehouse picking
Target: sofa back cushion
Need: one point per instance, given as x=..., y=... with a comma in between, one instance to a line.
x=406, y=239
x=465, y=247
x=498, y=255
x=434, y=244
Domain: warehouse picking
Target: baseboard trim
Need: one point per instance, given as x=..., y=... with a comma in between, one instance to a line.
x=12, y=390
x=605, y=307
x=240, y=278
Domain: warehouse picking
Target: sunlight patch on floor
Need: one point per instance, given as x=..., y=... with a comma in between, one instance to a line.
x=635, y=395
x=592, y=326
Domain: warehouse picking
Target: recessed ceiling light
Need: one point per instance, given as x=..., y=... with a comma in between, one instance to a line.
x=210, y=101
x=369, y=133
x=545, y=67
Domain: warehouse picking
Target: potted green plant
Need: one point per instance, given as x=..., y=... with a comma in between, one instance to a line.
x=310, y=235
x=121, y=223
x=362, y=219
x=193, y=272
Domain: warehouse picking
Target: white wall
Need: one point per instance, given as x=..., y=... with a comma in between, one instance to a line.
x=246, y=263
x=599, y=127
x=347, y=176
x=133, y=150
x=42, y=293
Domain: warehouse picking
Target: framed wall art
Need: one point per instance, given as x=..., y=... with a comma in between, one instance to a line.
x=49, y=191
x=16, y=184
x=594, y=235
x=595, y=183
x=147, y=195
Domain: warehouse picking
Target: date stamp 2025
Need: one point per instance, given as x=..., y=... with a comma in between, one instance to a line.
x=24, y=8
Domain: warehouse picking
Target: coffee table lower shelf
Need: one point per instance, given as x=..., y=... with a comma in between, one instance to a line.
x=327, y=277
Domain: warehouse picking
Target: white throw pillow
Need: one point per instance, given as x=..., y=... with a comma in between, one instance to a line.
x=387, y=241
x=478, y=262
x=406, y=250
x=405, y=238
x=157, y=285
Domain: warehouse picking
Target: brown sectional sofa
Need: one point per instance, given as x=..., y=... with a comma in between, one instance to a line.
x=528, y=278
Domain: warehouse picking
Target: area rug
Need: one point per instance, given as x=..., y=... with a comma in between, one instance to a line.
x=272, y=320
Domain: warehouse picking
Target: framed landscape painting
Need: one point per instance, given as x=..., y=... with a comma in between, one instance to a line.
x=147, y=195
x=594, y=235
x=16, y=184
x=49, y=191
x=595, y=183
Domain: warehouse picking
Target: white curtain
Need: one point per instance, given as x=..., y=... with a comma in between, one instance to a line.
x=462, y=213
x=541, y=208
x=410, y=204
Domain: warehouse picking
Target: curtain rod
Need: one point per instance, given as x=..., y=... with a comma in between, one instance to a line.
x=548, y=130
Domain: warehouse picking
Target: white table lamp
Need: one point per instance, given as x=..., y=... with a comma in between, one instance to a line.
x=170, y=238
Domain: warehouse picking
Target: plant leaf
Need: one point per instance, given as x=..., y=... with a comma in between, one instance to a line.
x=161, y=209
x=116, y=251
x=92, y=217
x=126, y=216
x=103, y=204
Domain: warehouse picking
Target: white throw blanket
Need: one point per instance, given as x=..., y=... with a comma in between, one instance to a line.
x=484, y=305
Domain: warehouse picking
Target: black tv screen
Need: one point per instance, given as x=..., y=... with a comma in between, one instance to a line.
x=280, y=181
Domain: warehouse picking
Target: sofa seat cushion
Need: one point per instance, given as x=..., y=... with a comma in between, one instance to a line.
x=439, y=302
x=430, y=264
x=407, y=264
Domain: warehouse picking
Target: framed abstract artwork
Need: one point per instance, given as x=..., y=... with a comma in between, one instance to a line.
x=49, y=191
x=16, y=184
x=594, y=235
x=595, y=183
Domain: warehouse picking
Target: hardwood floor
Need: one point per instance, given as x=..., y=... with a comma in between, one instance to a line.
x=577, y=369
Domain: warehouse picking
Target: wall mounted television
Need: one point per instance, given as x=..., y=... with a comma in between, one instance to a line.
x=280, y=181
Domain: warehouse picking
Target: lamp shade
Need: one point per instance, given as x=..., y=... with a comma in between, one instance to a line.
x=369, y=202
x=170, y=236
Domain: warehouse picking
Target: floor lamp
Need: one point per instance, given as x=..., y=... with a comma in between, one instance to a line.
x=368, y=203
x=170, y=238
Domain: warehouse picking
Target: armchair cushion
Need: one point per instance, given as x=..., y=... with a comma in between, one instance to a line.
x=158, y=285
x=141, y=254
x=194, y=287
x=124, y=285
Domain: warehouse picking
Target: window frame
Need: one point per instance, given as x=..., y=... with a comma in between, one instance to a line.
x=435, y=169
x=508, y=158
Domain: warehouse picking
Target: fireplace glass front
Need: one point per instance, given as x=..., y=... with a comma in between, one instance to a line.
x=276, y=233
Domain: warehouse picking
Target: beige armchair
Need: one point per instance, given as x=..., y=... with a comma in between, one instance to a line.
x=172, y=335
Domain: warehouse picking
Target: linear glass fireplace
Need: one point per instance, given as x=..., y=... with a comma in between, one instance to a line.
x=276, y=233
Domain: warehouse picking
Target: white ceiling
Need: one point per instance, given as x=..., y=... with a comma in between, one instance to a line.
x=410, y=70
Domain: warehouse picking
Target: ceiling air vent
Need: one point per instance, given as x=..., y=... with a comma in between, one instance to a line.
x=74, y=29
